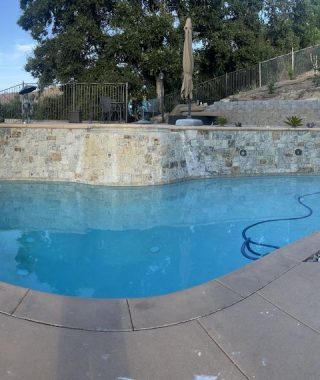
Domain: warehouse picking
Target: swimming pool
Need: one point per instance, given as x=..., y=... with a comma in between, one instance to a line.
x=99, y=242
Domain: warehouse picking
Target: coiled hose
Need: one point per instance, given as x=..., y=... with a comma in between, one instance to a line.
x=247, y=246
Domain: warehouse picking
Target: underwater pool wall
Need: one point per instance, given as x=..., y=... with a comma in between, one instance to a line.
x=136, y=156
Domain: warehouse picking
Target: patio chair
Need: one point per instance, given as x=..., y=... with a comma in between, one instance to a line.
x=110, y=109
x=106, y=108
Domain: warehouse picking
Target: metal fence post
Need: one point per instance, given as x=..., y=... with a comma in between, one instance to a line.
x=127, y=101
x=292, y=59
x=226, y=84
x=260, y=75
x=73, y=95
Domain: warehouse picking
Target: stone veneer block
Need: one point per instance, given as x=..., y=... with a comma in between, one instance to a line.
x=56, y=156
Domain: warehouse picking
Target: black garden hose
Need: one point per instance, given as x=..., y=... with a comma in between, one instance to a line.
x=246, y=248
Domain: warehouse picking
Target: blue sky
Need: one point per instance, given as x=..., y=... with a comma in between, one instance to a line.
x=15, y=46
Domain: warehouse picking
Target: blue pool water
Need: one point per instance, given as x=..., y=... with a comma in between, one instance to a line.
x=89, y=241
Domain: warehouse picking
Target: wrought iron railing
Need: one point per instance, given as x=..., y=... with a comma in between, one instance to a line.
x=61, y=102
x=58, y=102
x=273, y=70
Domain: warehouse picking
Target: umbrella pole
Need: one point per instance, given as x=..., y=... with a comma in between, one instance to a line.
x=189, y=107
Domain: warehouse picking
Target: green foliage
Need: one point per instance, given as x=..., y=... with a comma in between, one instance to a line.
x=294, y=121
x=316, y=69
x=291, y=73
x=98, y=40
x=47, y=108
x=12, y=108
x=133, y=40
x=291, y=23
x=222, y=120
x=316, y=80
x=271, y=87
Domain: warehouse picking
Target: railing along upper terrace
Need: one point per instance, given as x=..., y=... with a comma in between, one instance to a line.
x=272, y=70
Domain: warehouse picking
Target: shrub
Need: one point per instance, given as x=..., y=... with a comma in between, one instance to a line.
x=294, y=121
x=271, y=87
x=291, y=73
x=316, y=80
x=222, y=120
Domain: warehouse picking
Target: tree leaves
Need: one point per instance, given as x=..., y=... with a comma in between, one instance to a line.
x=122, y=40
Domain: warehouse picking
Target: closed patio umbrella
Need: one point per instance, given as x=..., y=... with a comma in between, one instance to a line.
x=188, y=63
x=188, y=66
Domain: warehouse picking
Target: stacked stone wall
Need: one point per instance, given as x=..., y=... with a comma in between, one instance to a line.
x=137, y=157
x=267, y=113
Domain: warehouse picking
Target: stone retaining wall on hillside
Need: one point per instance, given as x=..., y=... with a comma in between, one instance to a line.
x=139, y=156
x=271, y=112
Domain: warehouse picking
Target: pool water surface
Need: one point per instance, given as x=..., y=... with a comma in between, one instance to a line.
x=101, y=242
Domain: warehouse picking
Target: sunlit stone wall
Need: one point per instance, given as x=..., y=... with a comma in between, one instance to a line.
x=146, y=156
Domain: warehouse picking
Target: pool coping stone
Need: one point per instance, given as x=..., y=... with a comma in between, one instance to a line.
x=95, y=127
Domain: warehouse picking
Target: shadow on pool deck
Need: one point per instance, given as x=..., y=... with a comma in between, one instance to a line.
x=260, y=322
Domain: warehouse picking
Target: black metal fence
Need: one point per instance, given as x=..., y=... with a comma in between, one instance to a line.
x=68, y=102
x=273, y=70
x=109, y=101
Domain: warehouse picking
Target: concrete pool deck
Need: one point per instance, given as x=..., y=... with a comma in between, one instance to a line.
x=260, y=322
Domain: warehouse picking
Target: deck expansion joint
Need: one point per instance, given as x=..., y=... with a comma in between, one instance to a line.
x=217, y=344
x=20, y=301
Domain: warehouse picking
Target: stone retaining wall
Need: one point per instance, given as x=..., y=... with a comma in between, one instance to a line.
x=140, y=156
x=271, y=112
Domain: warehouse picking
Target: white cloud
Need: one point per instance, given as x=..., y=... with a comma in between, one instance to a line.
x=12, y=62
x=24, y=48
x=17, y=55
